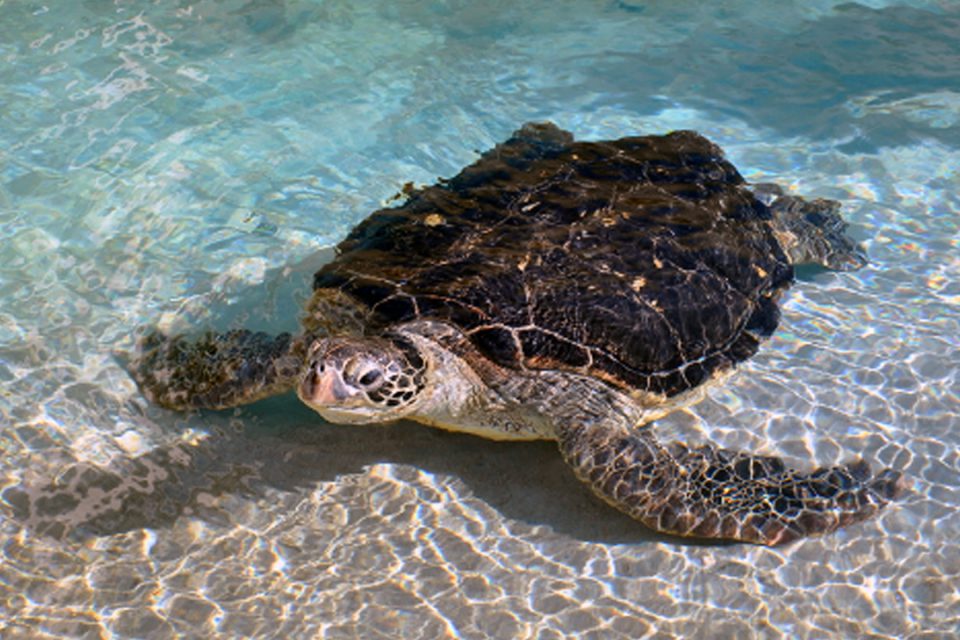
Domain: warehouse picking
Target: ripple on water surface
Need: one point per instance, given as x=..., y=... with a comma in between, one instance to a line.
x=192, y=165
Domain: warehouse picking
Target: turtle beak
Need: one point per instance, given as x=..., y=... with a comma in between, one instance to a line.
x=323, y=387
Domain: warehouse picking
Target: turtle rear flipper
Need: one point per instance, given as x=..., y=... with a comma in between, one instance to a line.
x=812, y=231
x=217, y=371
x=716, y=493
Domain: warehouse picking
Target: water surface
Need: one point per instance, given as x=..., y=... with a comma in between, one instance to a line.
x=188, y=164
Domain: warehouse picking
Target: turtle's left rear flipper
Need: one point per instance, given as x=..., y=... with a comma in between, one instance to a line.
x=218, y=371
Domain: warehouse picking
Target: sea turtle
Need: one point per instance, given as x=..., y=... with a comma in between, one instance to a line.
x=572, y=291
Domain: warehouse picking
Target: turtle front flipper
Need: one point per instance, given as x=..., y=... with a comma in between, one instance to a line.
x=217, y=371
x=708, y=492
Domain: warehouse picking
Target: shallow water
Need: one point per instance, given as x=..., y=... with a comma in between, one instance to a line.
x=190, y=163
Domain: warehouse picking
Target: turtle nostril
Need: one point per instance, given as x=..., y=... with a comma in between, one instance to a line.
x=312, y=381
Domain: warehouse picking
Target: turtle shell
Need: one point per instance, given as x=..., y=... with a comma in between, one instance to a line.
x=643, y=261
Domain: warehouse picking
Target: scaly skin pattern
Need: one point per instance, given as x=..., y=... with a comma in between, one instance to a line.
x=216, y=371
x=708, y=492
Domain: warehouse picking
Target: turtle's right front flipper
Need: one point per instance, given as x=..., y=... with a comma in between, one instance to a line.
x=708, y=492
x=218, y=371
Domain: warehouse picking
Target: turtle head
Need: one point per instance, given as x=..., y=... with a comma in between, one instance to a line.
x=354, y=380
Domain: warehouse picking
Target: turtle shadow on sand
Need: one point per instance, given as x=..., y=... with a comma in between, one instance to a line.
x=284, y=446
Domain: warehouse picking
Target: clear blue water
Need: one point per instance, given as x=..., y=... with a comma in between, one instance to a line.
x=190, y=163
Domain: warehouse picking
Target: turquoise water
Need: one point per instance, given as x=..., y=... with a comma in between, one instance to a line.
x=190, y=163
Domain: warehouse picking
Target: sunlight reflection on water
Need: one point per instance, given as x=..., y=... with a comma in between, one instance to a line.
x=192, y=166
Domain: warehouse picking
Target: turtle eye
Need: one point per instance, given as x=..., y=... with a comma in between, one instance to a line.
x=370, y=378
x=361, y=372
